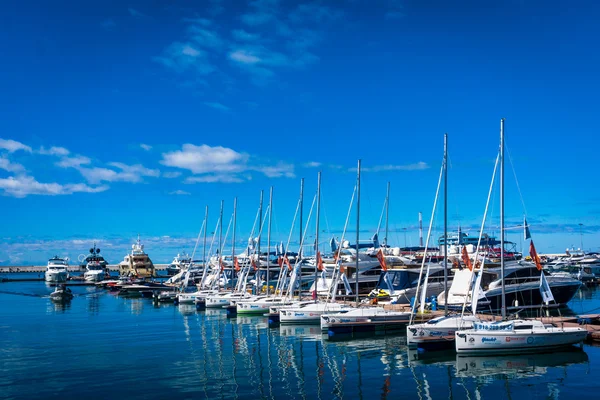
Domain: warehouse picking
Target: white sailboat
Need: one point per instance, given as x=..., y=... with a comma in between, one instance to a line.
x=520, y=335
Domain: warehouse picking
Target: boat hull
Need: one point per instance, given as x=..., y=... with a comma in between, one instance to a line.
x=485, y=342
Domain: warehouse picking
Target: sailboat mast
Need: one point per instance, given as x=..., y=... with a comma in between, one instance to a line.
x=445, y=223
x=317, y=231
x=269, y=238
x=301, y=206
x=204, y=268
x=502, y=216
x=387, y=214
x=221, y=235
x=260, y=210
x=357, y=224
x=233, y=243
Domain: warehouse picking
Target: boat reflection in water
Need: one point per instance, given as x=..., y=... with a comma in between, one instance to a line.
x=518, y=365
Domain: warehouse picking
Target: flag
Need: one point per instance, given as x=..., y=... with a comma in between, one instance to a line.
x=253, y=264
x=319, y=261
x=222, y=265
x=287, y=262
x=545, y=289
x=534, y=256
x=388, y=280
x=381, y=259
x=236, y=264
x=280, y=261
x=526, y=227
x=466, y=259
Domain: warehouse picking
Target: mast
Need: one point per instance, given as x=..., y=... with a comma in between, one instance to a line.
x=502, y=216
x=204, y=247
x=221, y=235
x=317, y=231
x=260, y=210
x=233, y=243
x=445, y=223
x=420, y=229
x=301, y=206
x=357, y=224
x=269, y=238
x=387, y=214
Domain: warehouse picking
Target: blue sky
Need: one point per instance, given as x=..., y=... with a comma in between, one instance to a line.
x=130, y=117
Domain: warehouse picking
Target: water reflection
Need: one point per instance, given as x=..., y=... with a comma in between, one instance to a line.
x=517, y=365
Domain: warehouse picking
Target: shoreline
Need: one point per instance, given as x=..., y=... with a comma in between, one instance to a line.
x=13, y=269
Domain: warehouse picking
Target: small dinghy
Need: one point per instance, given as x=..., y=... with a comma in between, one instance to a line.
x=61, y=294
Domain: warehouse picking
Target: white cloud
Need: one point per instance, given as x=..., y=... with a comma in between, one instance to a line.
x=205, y=159
x=23, y=186
x=244, y=57
x=184, y=56
x=277, y=171
x=242, y=36
x=180, y=193
x=171, y=174
x=9, y=166
x=128, y=173
x=219, y=178
x=54, y=151
x=312, y=164
x=389, y=167
x=205, y=38
x=146, y=147
x=73, y=162
x=217, y=106
x=13, y=145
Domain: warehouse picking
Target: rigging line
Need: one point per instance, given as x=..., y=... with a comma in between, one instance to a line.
x=515, y=174
x=336, y=269
x=481, y=234
x=324, y=209
x=422, y=306
x=198, y=238
x=381, y=216
x=282, y=278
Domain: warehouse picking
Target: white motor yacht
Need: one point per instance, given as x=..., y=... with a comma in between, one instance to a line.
x=57, y=270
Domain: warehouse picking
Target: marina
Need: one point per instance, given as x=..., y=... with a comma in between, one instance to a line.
x=207, y=353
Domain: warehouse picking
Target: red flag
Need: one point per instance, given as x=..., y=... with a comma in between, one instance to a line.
x=253, y=264
x=287, y=261
x=534, y=256
x=466, y=259
x=236, y=264
x=319, y=261
x=381, y=259
x=280, y=261
x=222, y=265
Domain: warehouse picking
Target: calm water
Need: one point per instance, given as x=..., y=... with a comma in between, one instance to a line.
x=102, y=345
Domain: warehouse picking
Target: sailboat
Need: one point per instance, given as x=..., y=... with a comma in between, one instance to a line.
x=519, y=335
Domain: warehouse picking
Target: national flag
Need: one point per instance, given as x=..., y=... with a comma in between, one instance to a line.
x=236, y=264
x=222, y=264
x=466, y=259
x=526, y=228
x=254, y=264
x=287, y=262
x=280, y=261
x=381, y=259
x=545, y=291
x=319, y=261
x=534, y=256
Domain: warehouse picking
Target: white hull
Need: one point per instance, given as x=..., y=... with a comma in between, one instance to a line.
x=223, y=301
x=539, y=338
x=260, y=306
x=94, y=276
x=61, y=276
x=311, y=313
x=437, y=327
x=190, y=298
x=366, y=314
